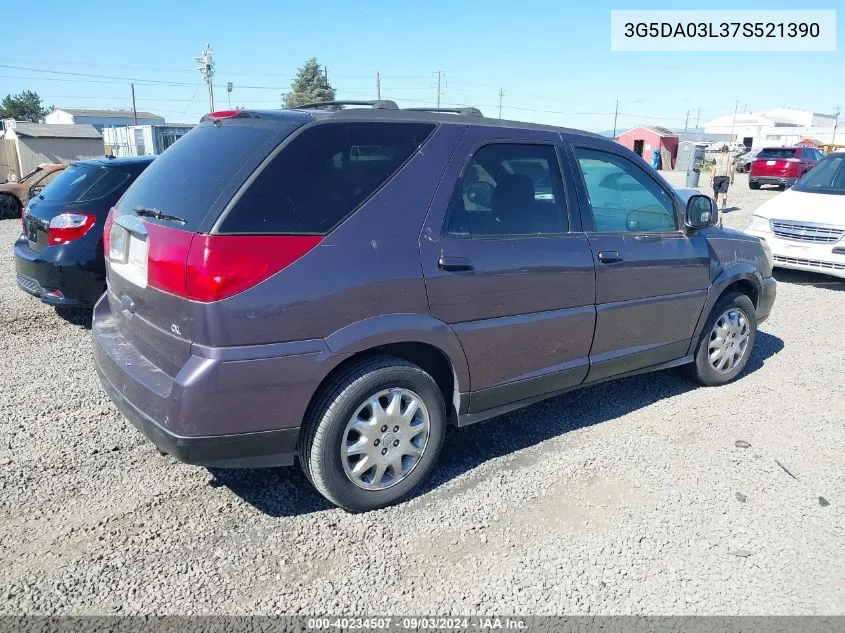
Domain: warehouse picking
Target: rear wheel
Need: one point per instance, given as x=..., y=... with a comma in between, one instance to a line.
x=374, y=434
x=753, y=185
x=727, y=340
x=9, y=207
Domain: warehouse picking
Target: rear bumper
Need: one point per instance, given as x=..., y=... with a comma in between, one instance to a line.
x=228, y=407
x=60, y=275
x=240, y=450
x=799, y=255
x=785, y=181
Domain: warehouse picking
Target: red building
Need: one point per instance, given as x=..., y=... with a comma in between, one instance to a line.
x=644, y=139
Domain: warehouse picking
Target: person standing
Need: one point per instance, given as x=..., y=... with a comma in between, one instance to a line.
x=723, y=175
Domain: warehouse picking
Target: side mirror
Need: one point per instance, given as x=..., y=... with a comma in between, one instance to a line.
x=480, y=193
x=701, y=212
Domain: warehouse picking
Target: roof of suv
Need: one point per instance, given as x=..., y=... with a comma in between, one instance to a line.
x=422, y=116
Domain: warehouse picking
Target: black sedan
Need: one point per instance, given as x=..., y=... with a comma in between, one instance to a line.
x=59, y=255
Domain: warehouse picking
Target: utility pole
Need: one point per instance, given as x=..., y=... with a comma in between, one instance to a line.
x=835, y=125
x=229, y=93
x=441, y=83
x=206, y=68
x=615, y=114
x=134, y=110
x=733, y=123
x=501, y=94
x=697, y=117
x=378, y=86
x=686, y=121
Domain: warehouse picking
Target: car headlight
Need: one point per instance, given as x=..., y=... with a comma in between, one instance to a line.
x=759, y=224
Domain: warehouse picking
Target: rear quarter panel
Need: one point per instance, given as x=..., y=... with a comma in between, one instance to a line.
x=366, y=267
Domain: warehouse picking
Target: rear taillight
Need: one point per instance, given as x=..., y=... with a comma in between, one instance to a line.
x=220, y=266
x=67, y=227
x=212, y=267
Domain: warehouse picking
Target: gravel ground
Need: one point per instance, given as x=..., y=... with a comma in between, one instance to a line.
x=628, y=497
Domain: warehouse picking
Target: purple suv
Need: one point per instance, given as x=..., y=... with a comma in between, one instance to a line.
x=339, y=285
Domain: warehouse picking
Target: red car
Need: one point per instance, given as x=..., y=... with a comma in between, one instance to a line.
x=782, y=166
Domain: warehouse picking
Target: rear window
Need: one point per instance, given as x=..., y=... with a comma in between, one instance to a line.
x=776, y=152
x=78, y=183
x=322, y=176
x=201, y=172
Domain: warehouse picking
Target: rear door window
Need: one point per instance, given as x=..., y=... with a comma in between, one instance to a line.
x=190, y=178
x=322, y=176
x=509, y=189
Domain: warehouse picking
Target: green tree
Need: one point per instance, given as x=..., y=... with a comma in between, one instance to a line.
x=309, y=86
x=25, y=106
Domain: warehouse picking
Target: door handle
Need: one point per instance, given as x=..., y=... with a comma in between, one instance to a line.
x=454, y=264
x=610, y=257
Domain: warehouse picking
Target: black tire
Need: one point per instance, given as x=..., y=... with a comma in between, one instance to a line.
x=9, y=207
x=701, y=370
x=781, y=187
x=325, y=424
x=753, y=185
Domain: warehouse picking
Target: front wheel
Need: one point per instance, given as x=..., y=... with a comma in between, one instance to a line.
x=727, y=341
x=374, y=434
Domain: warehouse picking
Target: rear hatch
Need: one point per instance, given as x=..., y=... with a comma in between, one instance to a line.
x=165, y=217
x=66, y=205
x=775, y=161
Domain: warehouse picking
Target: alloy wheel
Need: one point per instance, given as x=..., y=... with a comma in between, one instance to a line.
x=385, y=438
x=728, y=340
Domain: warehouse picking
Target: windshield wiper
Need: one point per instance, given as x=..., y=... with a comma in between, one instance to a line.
x=158, y=215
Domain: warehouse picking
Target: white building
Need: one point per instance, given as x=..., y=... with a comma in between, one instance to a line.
x=142, y=140
x=779, y=126
x=101, y=118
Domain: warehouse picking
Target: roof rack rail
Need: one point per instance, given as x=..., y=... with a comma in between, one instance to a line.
x=382, y=104
x=463, y=111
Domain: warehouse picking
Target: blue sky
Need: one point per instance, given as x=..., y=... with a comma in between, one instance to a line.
x=551, y=58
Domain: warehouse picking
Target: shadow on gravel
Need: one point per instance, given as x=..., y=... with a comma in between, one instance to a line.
x=286, y=492
x=278, y=492
x=803, y=278
x=76, y=316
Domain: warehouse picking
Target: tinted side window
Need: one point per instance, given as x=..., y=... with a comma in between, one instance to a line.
x=623, y=197
x=509, y=189
x=323, y=175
